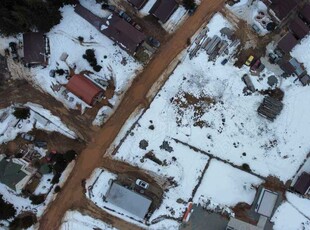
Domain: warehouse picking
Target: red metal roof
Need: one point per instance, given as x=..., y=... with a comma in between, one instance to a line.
x=83, y=88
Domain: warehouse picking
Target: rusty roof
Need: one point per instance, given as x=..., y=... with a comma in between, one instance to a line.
x=163, y=9
x=138, y=3
x=34, y=48
x=287, y=43
x=127, y=36
x=299, y=28
x=282, y=8
x=303, y=183
x=83, y=88
x=305, y=12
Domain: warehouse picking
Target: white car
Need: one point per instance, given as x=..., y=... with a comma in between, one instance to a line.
x=142, y=184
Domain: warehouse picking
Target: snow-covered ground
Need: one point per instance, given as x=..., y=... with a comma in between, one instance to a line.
x=208, y=110
x=248, y=10
x=299, y=52
x=74, y=220
x=226, y=185
x=292, y=214
x=11, y=126
x=203, y=105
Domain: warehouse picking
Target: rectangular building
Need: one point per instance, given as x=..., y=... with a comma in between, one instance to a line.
x=128, y=200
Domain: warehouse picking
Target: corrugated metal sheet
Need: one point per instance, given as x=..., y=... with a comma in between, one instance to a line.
x=128, y=200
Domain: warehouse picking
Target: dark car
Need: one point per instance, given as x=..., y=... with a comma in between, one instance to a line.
x=224, y=61
x=40, y=144
x=122, y=14
x=153, y=42
x=27, y=137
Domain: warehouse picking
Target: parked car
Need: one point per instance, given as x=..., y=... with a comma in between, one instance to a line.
x=249, y=60
x=142, y=184
x=40, y=144
x=27, y=137
x=153, y=42
x=256, y=28
x=255, y=65
x=123, y=14
x=224, y=61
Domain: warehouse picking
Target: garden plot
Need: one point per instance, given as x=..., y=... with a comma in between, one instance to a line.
x=74, y=35
x=225, y=185
x=175, y=166
x=74, y=220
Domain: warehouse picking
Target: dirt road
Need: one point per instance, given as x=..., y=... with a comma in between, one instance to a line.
x=72, y=192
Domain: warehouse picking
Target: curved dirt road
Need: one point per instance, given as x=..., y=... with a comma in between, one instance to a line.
x=71, y=195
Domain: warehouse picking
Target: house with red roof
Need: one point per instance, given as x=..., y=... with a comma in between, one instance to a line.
x=84, y=88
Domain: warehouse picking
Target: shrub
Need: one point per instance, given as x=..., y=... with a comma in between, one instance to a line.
x=189, y=4
x=37, y=199
x=23, y=222
x=7, y=210
x=55, y=179
x=246, y=167
x=70, y=156
x=57, y=189
x=21, y=113
x=97, y=68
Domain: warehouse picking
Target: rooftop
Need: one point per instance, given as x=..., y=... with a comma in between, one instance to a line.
x=128, y=200
x=34, y=48
x=303, y=183
x=11, y=173
x=287, y=43
x=138, y=3
x=299, y=28
x=305, y=12
x=127, y=36
x=115, y=28
x=266, y=202
x=163, y=9
x=83, y=88
x=282, y=8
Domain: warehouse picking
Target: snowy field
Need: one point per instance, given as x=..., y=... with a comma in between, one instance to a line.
x=74, y=220
x=202, y=105
x=293, y=214
x=299, y=52
x=208, y=110
x=227, y=186
x=11, y=126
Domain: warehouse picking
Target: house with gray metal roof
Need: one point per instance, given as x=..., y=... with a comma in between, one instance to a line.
x=14, y=174
x=129, y=200
x=266, y=202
